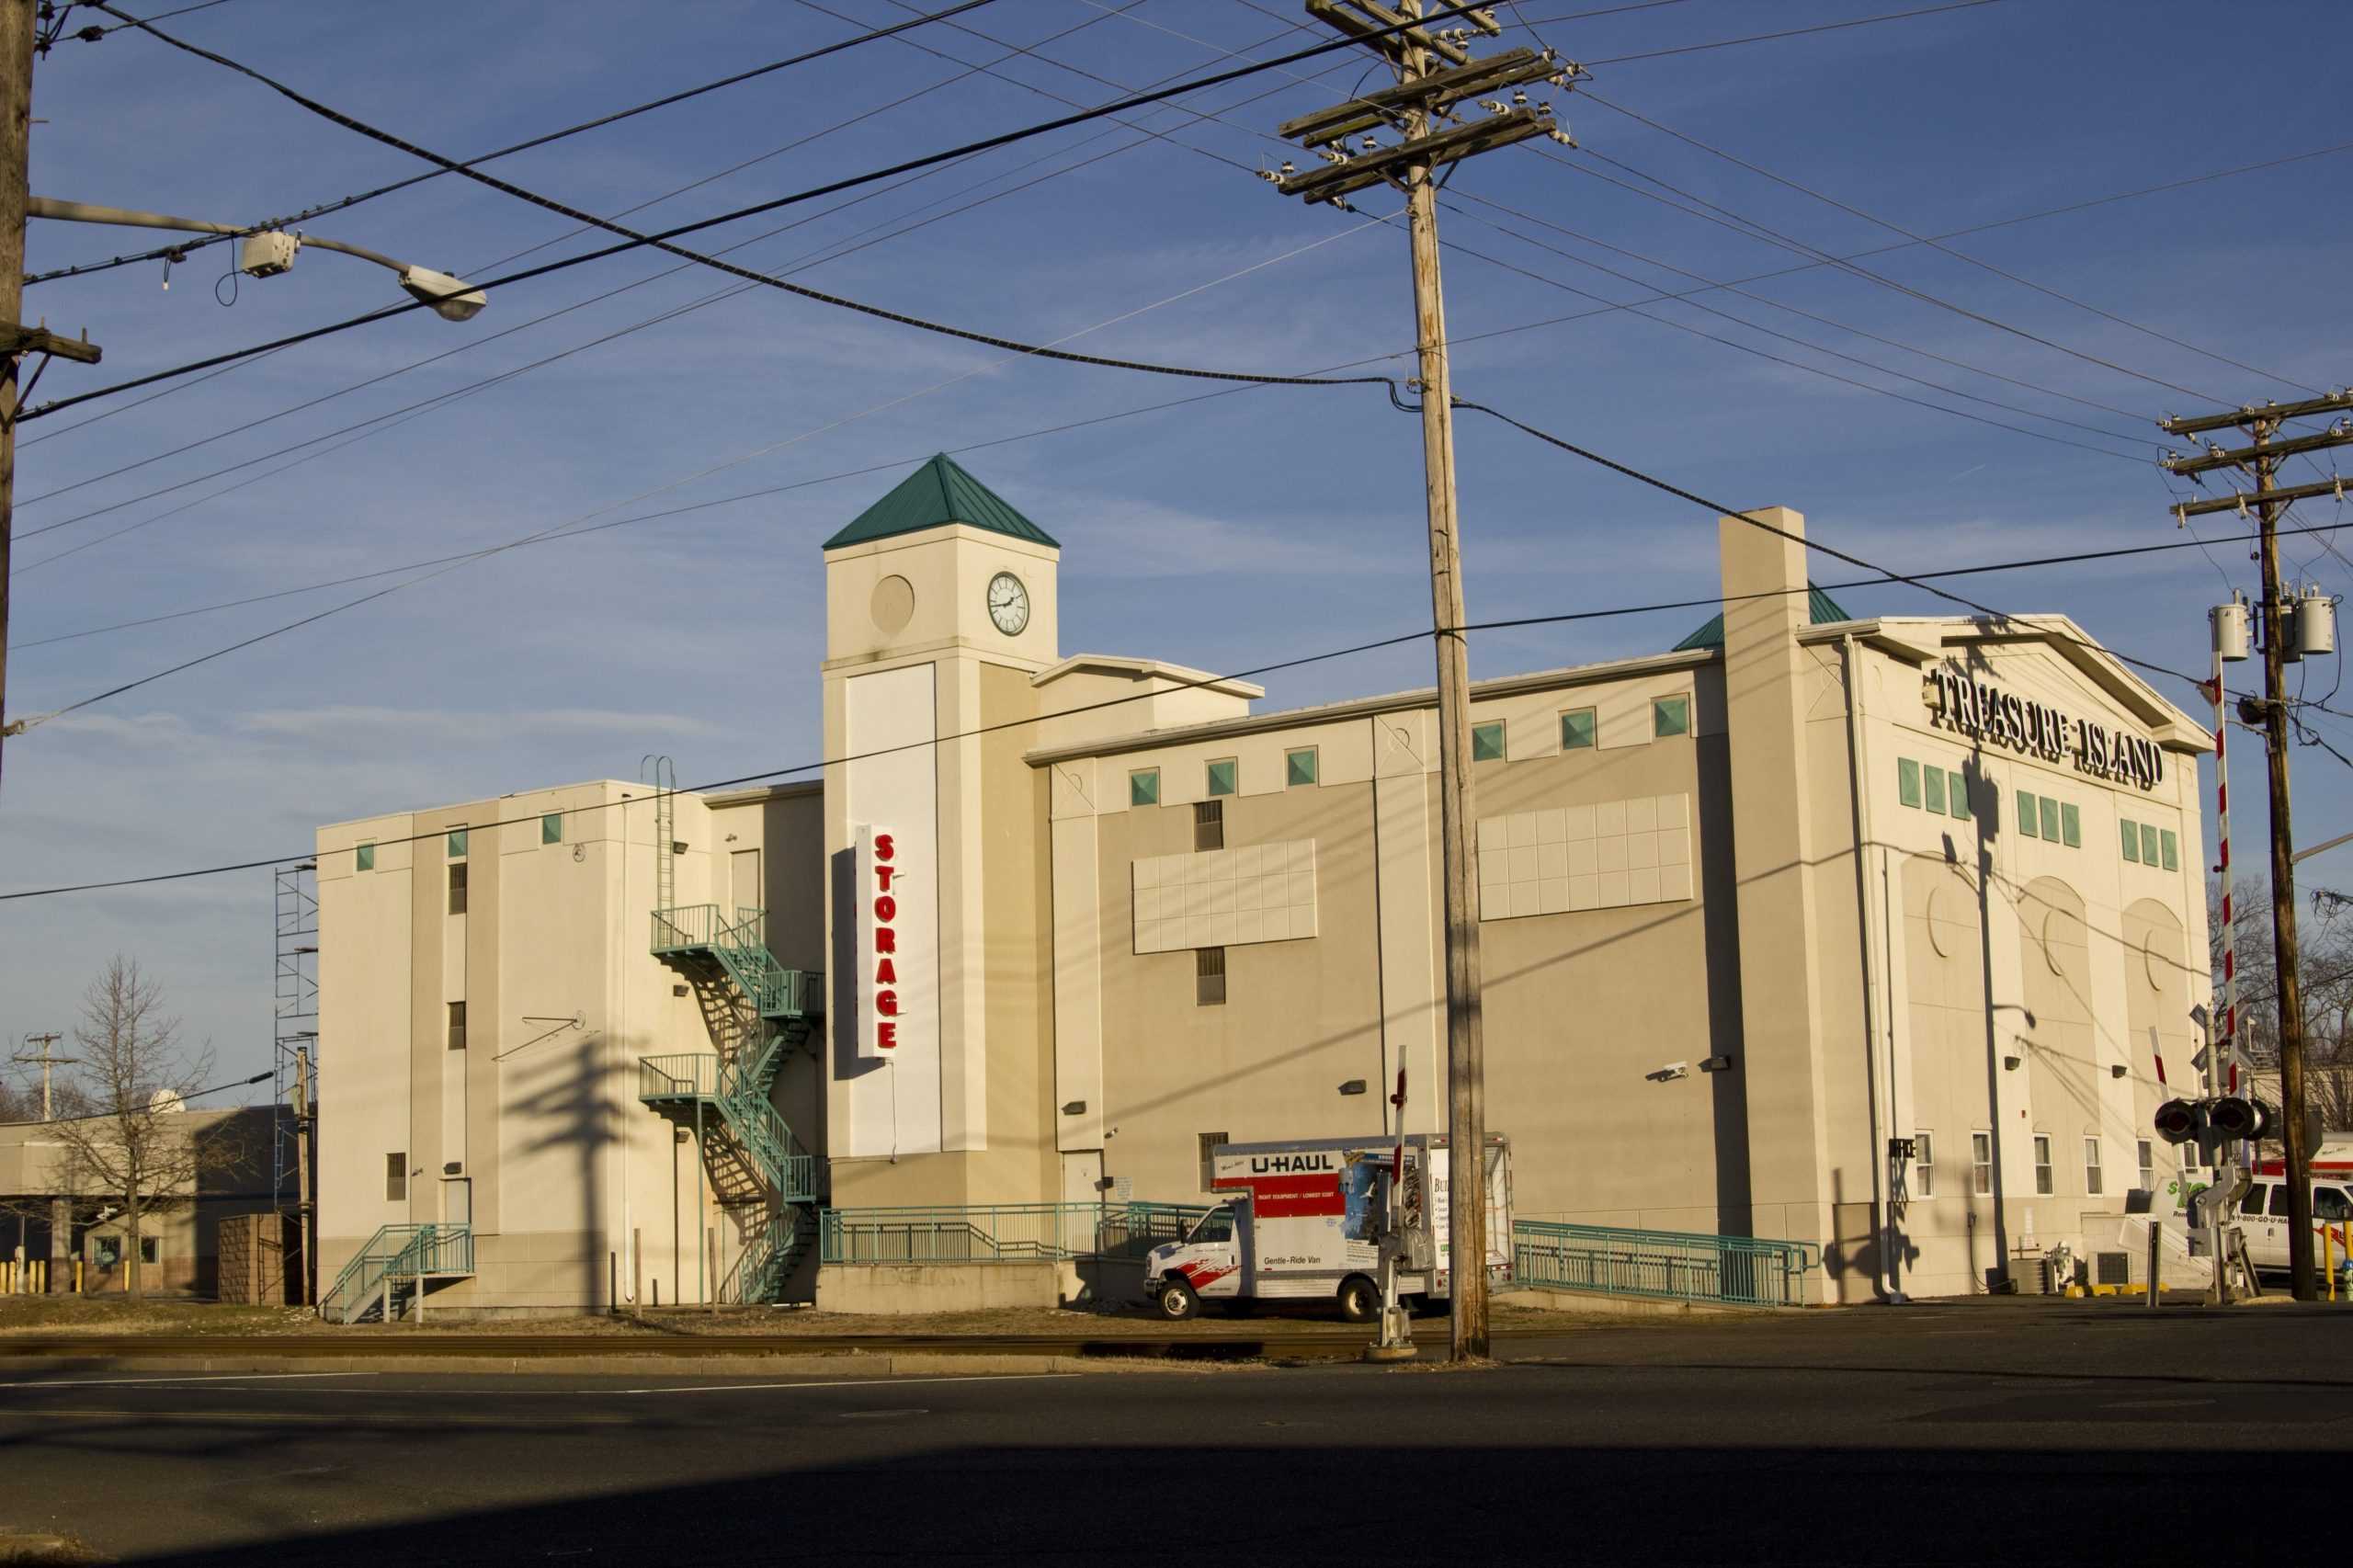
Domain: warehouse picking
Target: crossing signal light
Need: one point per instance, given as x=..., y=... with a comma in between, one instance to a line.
x=2180, y=1121
x=2242, y=1120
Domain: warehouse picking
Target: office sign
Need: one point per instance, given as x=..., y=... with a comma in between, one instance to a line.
x=1982, y=710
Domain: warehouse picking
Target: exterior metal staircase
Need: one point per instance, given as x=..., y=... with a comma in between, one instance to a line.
x=398, y=1264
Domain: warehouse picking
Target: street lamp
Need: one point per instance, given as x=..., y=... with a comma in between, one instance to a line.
x=268, y=252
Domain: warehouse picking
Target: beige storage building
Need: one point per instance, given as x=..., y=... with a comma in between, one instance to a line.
x=1050, y=924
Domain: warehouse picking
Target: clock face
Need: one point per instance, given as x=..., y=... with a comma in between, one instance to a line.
x=1008, y=604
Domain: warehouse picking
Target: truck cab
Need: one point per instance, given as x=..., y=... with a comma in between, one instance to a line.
x=1205, y=1266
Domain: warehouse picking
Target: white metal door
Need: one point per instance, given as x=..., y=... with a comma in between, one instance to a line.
x=744, y=879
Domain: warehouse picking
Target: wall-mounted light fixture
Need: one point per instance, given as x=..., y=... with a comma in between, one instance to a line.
x=677, y=991
x=2117, y=1070
x=1716, y=1065
x=1353, y=1086
x=2010, y=1064
x=1074, y=1108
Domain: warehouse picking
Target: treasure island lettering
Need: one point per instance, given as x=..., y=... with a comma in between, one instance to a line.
x=1985, y=711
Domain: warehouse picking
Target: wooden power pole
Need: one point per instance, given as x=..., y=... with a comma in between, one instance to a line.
x=20, y=41
x=2260, y=459
x=1421, y=116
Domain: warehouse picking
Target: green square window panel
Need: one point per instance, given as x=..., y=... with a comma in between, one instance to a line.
x=1932, y=791
x=2149, y=850
x=1957, y=795
x=1670, y=716
x=1578, y=730
x=2050, y=809
x=2171, y=848
x=551, y=828
x=1144, y=787
x=1486, y=743
x=458, y=844
x=1908, y=781
x=364, y=857
x=1299, y=767
x=2132, y=842
x=1222, y=776
x=2026, y=817
x=2071, y=827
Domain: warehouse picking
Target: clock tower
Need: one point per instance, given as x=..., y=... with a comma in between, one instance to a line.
x=940, y=607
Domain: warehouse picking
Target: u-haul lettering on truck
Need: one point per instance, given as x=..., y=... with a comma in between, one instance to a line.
x=1284, y=1165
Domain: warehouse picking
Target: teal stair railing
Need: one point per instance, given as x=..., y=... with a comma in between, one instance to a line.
x=397, y=1263
x=1001, y=1232
x=1679, y=1266
x=732, y=1090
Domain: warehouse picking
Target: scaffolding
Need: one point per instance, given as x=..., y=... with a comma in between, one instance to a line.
x=294, y=1062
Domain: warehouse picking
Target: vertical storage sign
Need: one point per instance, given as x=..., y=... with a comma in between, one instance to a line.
x=880, y=870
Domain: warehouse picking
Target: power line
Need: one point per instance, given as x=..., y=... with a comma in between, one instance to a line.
x=849, y=182
x=1767, y=37
x=186, y=247
x=1909, y=579
x=92, y=35
x=1961, y=256
x=1882, y=575
x=184, y=665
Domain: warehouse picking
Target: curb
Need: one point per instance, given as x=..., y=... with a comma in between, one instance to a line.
x=814, y=1365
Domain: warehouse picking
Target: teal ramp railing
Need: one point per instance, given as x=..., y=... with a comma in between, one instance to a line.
x=392, y=1264
x=1678, y=1265
x=1000, y=1233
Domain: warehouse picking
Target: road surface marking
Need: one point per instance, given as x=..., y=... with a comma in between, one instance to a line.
x=188, y=1378
x=877, y=1381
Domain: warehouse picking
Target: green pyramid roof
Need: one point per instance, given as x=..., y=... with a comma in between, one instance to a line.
x=934, y=495
x=1823, y=608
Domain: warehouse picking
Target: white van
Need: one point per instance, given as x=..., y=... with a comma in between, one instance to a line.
x=1305, y=1220
x=2263, y=1217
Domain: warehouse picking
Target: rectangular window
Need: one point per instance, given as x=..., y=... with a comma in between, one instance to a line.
x=1578, y=730
x=363, y=858
x=2027, y=816
x=1224, y=778
x=1670, y=716
x=2170, y=848
x=1208, y=825
x=1923, y=1165
x=1209, y=977
x=2050, y=809
x=2252, y=1204
x=456, y=844
x=1209, y=1144
x=458, y=888
x=457, y=1025
x=1932, y=791
x=1144, y=787
x=2091, y=1186
x=1908, y=781
x=396, y=1178
x=2042, y=1165
x=1981, y=1163
x=1486, y=743
x=2146, y=1153
x=2131, y=841
x=2150, y=852
x=151, y=1249
x=1957, y=795
x=551, y=828
x=1299, y=767
x=2071, y=827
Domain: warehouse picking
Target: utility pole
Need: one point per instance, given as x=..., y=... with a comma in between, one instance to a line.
x=306, y=1207
x=46, y=1059
x=1424, y=97
x=2283, y=623
x=19, y=21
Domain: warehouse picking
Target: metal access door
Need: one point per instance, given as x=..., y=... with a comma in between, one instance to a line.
x=458, y=1200
x=744, y=879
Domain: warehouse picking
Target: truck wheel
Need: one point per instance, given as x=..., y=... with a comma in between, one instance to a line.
x=1359, y=1300
x=1178, y=1302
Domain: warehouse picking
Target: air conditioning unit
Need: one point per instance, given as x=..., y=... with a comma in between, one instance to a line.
x=2114, y=1269
x=2030, y=1275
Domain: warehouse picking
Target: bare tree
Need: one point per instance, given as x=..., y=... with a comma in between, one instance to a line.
x=2325, y=942
x=124, y=1128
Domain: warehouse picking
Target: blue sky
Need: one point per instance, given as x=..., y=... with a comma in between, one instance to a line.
x=1227, y=533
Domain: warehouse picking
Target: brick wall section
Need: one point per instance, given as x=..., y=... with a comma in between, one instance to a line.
x=253, y=1259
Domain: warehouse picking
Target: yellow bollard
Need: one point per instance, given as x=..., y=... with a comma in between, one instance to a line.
x=77, y=1276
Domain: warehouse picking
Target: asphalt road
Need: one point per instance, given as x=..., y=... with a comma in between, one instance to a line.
x=2006, y=1433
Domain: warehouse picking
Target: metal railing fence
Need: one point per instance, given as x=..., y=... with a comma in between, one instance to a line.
x=1679, y=1266
x=1000, y=1233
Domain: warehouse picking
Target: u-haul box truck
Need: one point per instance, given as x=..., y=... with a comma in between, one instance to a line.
x=1304, y=1220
